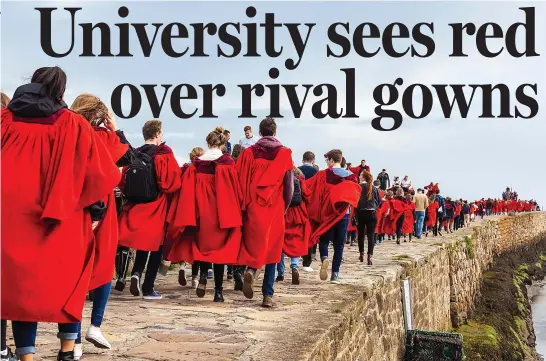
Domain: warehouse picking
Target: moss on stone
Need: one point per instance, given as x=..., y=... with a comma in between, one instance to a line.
x=488, y=275
x=479, y=339
x=400, y=257
x=469, y=247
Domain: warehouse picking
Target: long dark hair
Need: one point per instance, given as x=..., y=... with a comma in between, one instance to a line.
x=53, y=79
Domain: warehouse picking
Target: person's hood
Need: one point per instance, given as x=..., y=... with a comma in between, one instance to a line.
x=269, y=142
x=30, y=101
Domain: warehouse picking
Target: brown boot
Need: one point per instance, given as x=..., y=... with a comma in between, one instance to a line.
x=248, y=284
x=370, y=259
x=361, y=258
x=268, y=302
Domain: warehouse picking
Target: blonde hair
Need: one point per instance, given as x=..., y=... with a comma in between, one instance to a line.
x=196, y=152
x=91, y=108
x=297, y=172
x=399, y=192
x=5, y=100
x=216, y=138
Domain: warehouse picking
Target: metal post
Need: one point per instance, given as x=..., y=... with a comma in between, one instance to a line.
x=406, y=302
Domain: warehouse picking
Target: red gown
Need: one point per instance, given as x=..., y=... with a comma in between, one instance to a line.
x=332, y=196
x=297, y=231
x=52, y=168
x=106, y=233
x=142, y=226
x=409, y=220
x=261, y=174
x=381, y=217
x=432, y=211
x=396, y=209
x=210, y=208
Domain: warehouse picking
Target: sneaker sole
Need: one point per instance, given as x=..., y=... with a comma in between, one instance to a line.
x=135, y=287
x=324, y=270
x=182, y=278
x=248, y=283
x=152, y=298
x=97, y=343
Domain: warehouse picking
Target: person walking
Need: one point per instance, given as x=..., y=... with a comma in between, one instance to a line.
x=383, y=178
x=366, y=214
x=421, y=204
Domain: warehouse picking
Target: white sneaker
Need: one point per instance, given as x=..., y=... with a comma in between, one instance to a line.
x=307, y=269
x=78, y=351
x=94, y=335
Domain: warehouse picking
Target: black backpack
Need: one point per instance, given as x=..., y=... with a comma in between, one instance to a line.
x=296, y=197
x=140, y=178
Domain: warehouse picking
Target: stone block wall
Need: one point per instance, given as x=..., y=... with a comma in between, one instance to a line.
x=445, y=280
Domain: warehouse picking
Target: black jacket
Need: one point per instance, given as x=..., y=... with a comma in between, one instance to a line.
x=364, y=202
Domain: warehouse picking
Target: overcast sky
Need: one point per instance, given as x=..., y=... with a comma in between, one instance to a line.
x=471, y=158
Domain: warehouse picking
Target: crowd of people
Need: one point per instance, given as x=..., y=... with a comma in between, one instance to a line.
x=86, y=197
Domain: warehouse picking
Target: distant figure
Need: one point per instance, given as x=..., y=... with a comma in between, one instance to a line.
x=383, y=177
x=249, y=139
x=308, y=165
x=227, y=146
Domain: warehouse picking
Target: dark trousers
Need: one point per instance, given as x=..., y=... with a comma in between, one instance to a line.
x=399, y=224
x=4, y=336
x=456, y=222
x=195, y=269
x=367, y=221
x=308, y=258
x=154, y=262
x=336, y=235
x=218, y=272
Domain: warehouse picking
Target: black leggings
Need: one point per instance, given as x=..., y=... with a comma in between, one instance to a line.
x=367, y=220
x=4, y=336
x=218, y=272
x=399, y=225
x=151, y=270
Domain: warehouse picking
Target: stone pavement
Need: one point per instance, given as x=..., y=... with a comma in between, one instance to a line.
x=182, y=327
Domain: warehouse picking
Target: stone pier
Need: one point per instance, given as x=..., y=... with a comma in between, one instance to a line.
x=315, y=321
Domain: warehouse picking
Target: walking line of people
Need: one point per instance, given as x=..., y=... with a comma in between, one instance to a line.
x=85, y=198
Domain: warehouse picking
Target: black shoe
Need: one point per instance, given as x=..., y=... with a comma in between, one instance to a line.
x=135, y=285
x=202, y=287
x=120, y=285
x=65, y=356
x=238, y=281
x=295, y=276
x=218, y=296
x=9, y=356
x=279, y=279
x=229, y=276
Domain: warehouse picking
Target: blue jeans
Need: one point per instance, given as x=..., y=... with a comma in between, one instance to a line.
x=488, y=212
x=100, y=299
x=336, y=234
x=269, y=279
x=419, y=220
x=24, y=335
x=293, y=264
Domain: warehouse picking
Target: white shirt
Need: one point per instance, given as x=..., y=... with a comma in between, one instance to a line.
x=406, y=183
x=211, y=154
x=248, y=142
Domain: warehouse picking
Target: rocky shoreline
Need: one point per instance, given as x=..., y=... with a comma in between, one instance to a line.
x=501, y=327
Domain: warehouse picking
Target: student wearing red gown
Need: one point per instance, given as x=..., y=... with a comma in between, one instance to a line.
x=395, y=215
x=265, y=174
x=297, y=230
x=210, y=207
x=106, y=232
x=143, y=225
x=335, y=191
x=54, y=167
x=432, y=213
x=409, y=218
x=172, y=249
x=6, y=352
